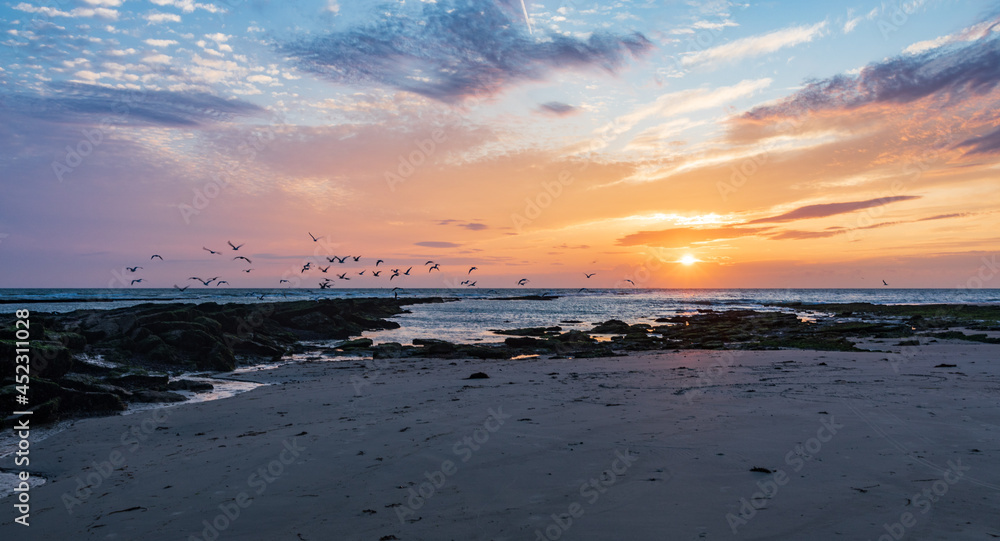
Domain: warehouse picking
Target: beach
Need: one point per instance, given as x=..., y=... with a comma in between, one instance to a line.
x=652, y=445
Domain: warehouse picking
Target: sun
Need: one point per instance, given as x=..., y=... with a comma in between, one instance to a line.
x=688, y=259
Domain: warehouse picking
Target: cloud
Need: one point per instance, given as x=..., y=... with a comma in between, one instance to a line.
x=683, y=236
x=973, y=69
x=830, y=209
x=82, y=103
x=47, y=11
x=984, y=144
x=754, y=45
x=471, y=226
x=455, y=50
x=163, y=17
x=972, y=33
x=437, y=244
x=557, y=108
x=160, y=42
x=945, y=216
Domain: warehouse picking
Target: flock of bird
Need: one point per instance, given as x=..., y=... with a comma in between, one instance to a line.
x=326, y=282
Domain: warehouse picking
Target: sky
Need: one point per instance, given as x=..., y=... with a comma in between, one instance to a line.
x=647, y=143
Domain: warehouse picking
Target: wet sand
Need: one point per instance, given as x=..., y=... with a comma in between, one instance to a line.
x=649, y=446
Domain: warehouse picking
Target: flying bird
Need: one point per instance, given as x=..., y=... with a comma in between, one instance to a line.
x=282, y=281
x=472, y=269
x=343, y=276
x=181, y=288
x=630, y=281
x=324, y=285
x=472, y=284
x=376, y=273
x=411, y=268
x=883, y=283
x=589, y=275
x=324, y=269
x=315, y=239
x=355, y=258
x=136, y=281
x=154, y=256
x=379, y=261
x=220, y=282
x=247, y=270
x=133, y=269
x=306, y=267
x=395, y=274
x=362, y=273
x=522, y=281
x=243, y=258
x=209, y=250
x=233, y=246
x=428, y=263
x=430, y=269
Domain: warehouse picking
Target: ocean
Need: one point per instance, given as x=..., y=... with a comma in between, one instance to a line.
x=478, y=311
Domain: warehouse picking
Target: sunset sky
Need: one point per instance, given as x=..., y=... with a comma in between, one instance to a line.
x=775, y=144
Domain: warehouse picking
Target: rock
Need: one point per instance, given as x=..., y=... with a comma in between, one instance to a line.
x=478, y=375
x=574, y=336
x=530, y=331
x=157, y=396
x=522, y=342
x=434, y=347
x=611, y=326
x=140, y=381
x=360, y=343
x=190, y=385
x=388, y=350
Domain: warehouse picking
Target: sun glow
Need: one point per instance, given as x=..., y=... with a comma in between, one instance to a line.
x=688, y=259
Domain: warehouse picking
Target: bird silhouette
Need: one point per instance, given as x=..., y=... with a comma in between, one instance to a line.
x=325, y=285
x=472, y=284
x=247, y=270
x=428, y=263
x=220, y=282
x=315, y=239
x=883, y=283
x=323, y=269
x=306, y=267
x=435, y=267
x=343, y=276
x=522, y=281
x=209, y=250
x=362, y=273
x=181, y=288
x=589, y=275
x=379, y=261
x=394, y=274
x=472, y=269
x=376, y=273
x=282, y=281
x=233, y=246
x=154, y=256
x=630, y=281
x=411, y=268
x=355, y=258
x=136, y=281
x=133, y=269
x=463, y=282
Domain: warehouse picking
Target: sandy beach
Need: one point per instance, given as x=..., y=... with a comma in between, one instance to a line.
x=650, y=446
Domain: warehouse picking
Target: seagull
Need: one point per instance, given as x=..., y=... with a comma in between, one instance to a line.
x=395, y=288
x=376, y=273
x=243, y=258
x=356, y=258
x=202, y=281
x=324, y=285
x=395, y=274
x=324, y=269
x=589, y=275
x=411, y=268
x=343, y=276
x=428, y=263
x=430, y=269
x=154, y=256
x=472, y=284
x=379, y=261
x=362, y=273
x=181, y=288
x=220, y=282
x=463, y=282
x=136, y=281
x=247, y=270
x=133, y=269
x=315, y=239
x=233, y=246
x=630, y=281
x=472, y=269
x=282, y=281
x=522, y=281
x=209, y=250
x=883, y=283
x=306, y=267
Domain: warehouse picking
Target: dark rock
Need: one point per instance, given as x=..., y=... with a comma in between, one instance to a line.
x=190, y=385
x=611, y=326
x=434, y=347
x=522, y=342
x=530, y=331
x=478, y=375
x=360, y=343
